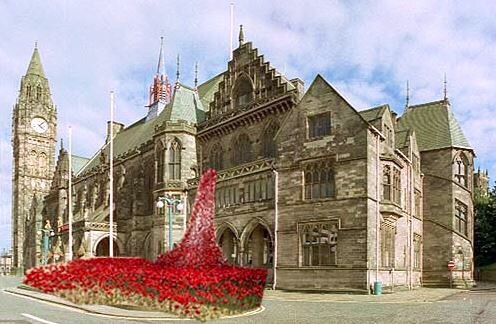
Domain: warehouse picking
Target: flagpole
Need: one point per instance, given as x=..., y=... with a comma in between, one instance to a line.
x=231, y=32
x=111, y=178
x=69, y=254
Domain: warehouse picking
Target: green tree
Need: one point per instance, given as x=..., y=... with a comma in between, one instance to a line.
x=485, y=228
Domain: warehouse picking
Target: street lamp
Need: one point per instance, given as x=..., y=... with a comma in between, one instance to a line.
x=170, y=201
x=46, y=234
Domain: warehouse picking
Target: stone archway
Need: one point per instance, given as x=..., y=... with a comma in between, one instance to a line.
x=229, y=245
x=259, y=248
x=102, y=248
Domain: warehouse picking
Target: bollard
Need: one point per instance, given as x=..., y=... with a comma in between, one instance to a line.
x=377, y=288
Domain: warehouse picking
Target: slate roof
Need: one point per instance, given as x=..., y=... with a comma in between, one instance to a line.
x=78, y=162
x=373, y=113
x=435, y=126
x=401, y=138
x=207, y=90
x=185, y=106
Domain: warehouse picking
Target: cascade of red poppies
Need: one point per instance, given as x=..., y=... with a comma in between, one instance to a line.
x=198, y=248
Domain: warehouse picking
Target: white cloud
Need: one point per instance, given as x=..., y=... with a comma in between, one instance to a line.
x=367, y=50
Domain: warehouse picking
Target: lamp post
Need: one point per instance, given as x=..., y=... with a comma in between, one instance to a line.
x=170, y=201
x=46, y=234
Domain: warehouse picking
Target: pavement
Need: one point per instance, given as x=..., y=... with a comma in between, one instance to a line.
x=419, y=295
x=125, y=312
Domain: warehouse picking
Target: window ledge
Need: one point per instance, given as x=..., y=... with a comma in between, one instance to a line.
x=317, y=200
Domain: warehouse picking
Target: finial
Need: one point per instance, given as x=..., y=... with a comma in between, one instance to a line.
x=241, y=35
x=445, y=88
x=177, y=69
x=196, y=74
x=407, y=94
x=35, y=44
x=61, y=143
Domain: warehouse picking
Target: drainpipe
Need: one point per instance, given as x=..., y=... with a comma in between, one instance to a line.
x=276, y=221
x=378, y=213
x=412, y=206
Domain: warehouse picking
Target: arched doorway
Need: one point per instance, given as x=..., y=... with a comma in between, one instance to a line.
x=259, y=248
x=229, y=246
x=102, y=249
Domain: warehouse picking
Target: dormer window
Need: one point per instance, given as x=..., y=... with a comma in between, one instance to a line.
x=243, y=93
x=460, y=170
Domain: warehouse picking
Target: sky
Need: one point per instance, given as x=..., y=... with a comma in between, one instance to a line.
x=366, y=49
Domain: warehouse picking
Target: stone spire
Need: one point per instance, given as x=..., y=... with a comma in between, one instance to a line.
x=35, y=66
x=241, y=35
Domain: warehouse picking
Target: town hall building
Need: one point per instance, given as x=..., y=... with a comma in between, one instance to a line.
x=323, y=195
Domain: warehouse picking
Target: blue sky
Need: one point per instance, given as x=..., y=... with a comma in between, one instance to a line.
x=366, y=49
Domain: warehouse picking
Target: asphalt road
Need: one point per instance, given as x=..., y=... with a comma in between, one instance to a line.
x=464, y=307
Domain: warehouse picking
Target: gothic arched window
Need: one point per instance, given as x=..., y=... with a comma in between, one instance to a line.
x=160, y=156
x=28, y=91
x=242, y=151
x=243, y=92
x=175, y=160
x=269, y=144
x=38, y=92
x=216, y=157
x=319, y=182
x=460, y=167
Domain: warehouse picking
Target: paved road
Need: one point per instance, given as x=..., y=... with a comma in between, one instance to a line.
x=464, y=307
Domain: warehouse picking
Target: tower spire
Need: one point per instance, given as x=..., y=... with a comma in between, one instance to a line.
x=161, y=59
x=241, y=35
x=35, y=66
x=161, y=90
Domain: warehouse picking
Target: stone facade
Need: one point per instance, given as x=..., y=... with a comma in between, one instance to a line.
x=324, y=196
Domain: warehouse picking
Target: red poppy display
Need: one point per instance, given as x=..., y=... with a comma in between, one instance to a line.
x=193, y=280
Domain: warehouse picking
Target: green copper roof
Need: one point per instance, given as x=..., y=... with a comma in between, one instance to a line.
x=207, y=90
x=184, y=107
x=435, y=126
x=78, y=163
x=35, y=66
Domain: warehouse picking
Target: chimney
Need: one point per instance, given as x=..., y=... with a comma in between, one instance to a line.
x=117, y=127
x=394, y=117
x=300, y=87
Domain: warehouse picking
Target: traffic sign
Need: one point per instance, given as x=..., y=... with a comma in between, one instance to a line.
x=451, y=265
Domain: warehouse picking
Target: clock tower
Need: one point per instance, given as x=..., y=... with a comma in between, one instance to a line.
x=34, y=124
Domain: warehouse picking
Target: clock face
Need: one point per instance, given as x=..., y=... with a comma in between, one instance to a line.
x=39, y=125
